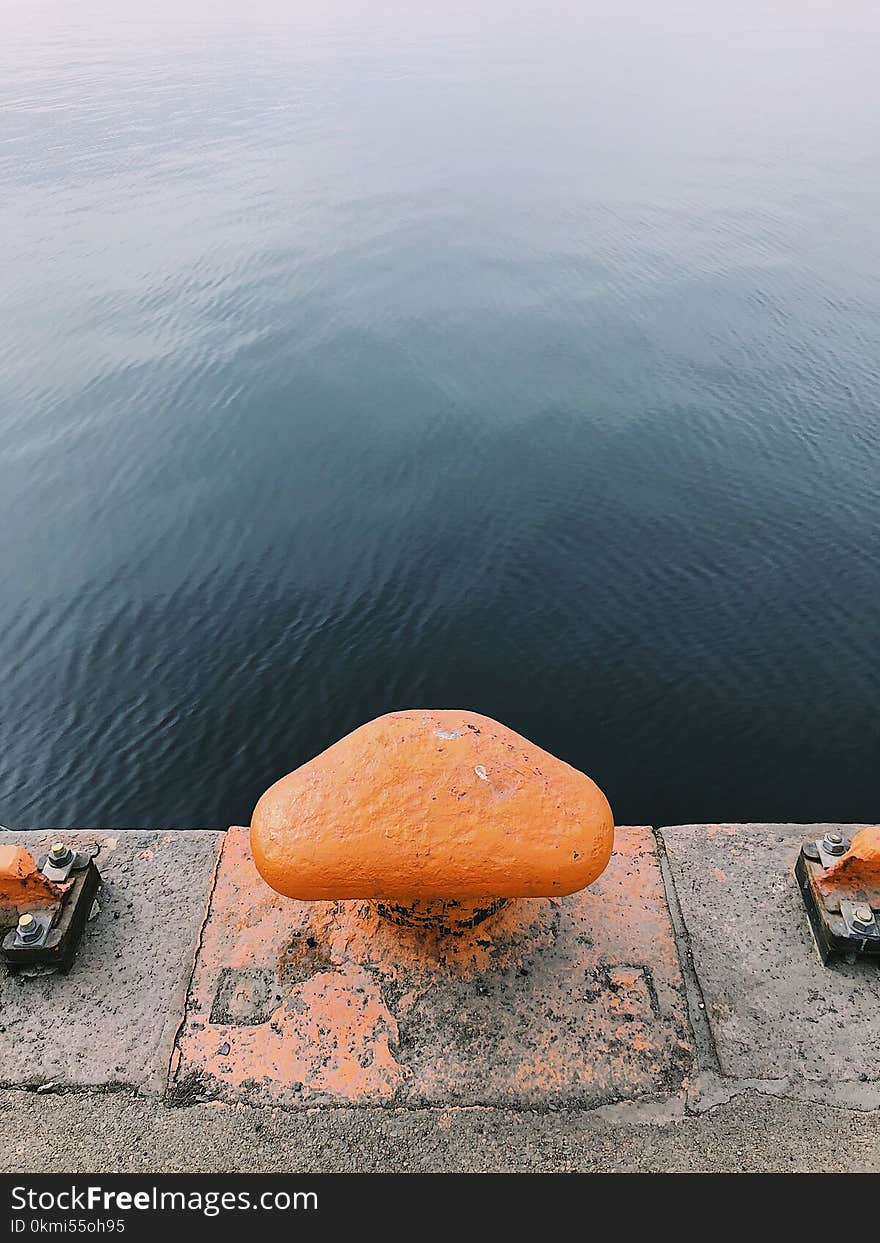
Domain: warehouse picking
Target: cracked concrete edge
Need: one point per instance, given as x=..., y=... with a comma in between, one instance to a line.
x=651, y=1112
x=181, y=1008
x=158, y=1083
x=712, y=1090
x=174, y=1061
x=701, y=1033
x=709, y=1088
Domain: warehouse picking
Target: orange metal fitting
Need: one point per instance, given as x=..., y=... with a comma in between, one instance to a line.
x=441, y=815
x=839, y=881
x=23, y=887
x=858, y=868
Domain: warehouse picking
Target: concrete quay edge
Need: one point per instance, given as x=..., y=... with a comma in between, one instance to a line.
x=745, y=1006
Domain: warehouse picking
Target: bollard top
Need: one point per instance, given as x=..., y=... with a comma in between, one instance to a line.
x=428, y=804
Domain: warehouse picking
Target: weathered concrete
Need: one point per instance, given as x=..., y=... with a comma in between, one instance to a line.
x=560, y=1024
x=571, y=1001
x=104, y=1134
x=776, y=1014
x=114, y=1018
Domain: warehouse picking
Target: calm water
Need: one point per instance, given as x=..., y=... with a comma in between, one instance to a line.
x=519, y=356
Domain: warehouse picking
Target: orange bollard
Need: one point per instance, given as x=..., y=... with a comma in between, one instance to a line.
x=441, y=815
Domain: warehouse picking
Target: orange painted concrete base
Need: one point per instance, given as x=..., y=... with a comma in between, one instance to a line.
x=575, y=1000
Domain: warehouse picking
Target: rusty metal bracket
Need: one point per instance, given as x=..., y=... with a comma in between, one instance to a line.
x=839, y=880
x=47, y=937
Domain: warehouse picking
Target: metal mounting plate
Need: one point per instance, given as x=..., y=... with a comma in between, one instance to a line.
x=58, y=947
x=837, y=933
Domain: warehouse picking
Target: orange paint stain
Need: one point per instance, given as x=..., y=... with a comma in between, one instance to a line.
x=324, y=1002
x=331, y=1036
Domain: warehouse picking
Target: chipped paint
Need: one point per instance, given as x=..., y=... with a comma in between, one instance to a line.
x=340, y=1013
x=572, y=1000
x=858, y=869
x=23, y=887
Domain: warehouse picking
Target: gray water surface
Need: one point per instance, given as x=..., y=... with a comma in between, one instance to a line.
x=517, y=356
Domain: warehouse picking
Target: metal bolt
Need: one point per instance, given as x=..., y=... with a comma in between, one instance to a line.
x=864, y=914
x=59, y=854
x=28, y=928
x=834, y=844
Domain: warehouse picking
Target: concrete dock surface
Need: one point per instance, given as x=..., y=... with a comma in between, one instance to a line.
x=674, y=1016
x=122, y=1132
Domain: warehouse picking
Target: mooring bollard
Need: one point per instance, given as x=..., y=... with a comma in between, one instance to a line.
x=439, y=817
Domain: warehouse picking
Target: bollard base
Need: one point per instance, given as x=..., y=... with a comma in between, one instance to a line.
x=551, y=1002
x=449, y=914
